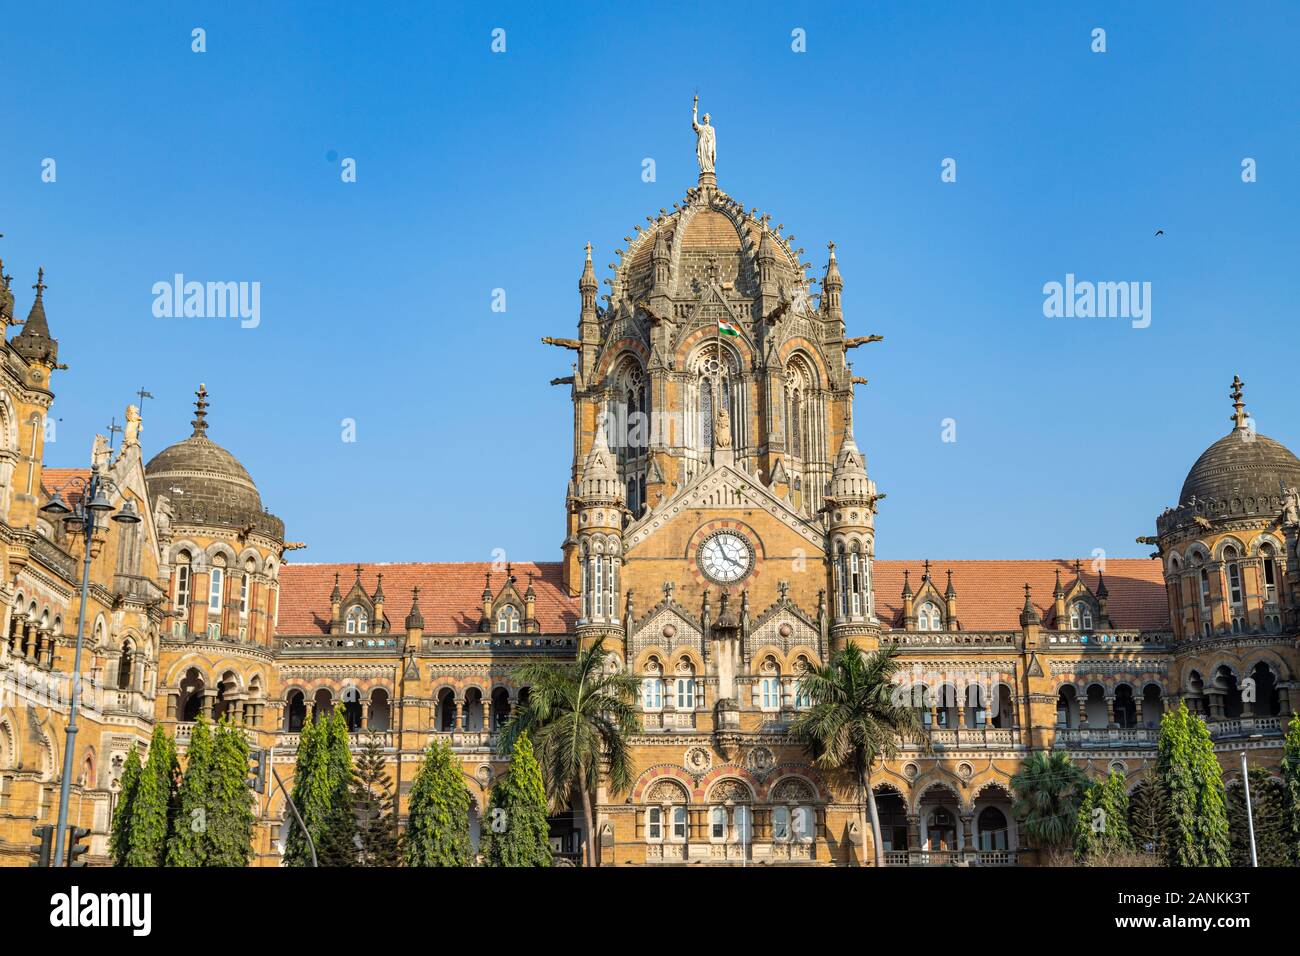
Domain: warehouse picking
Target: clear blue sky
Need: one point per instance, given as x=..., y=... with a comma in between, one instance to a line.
x=478, y=171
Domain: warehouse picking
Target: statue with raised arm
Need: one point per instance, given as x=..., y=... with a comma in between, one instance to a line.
x=706, y=147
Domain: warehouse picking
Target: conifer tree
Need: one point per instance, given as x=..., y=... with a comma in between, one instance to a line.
x=230, y=801
x=1291, y=791
x=1196, y=821
x=154, y=803
x=321, y=792
x=310, y=795
x=187, y=836
x=1146, y=815
x=372, y=797
x=119, y=842
x=437, y=832
x=515, y=830
x=1266, y=814
x=338, y=844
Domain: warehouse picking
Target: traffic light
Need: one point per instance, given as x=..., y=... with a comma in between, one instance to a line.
x=257, y=772
x=76, y=848
x=41, y=851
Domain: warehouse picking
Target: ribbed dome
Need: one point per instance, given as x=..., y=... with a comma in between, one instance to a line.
x=1242, y=465
x=206, y=484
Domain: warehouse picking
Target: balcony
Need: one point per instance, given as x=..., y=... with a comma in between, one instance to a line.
x=1088, y=737
x=491, y=642
x=1245, y=727
x=955, y=639
x=1097, y=641
x=968, y=738
x=358, y=740
x=668, y=720
x=184, y=731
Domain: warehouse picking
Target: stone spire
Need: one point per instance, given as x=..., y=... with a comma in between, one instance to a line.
x=1239, y=414
x=599, y=479
x=34, y=342
x=200, y=421
x=414, y=619
x=832, y=286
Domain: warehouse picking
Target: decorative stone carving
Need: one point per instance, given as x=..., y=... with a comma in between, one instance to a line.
x=698, y=760
x=759, y=760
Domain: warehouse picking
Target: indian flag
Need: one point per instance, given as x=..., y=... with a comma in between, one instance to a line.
x=726, y=328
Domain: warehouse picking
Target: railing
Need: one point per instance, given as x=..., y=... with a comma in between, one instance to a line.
x=974, y=737
x=343, y=645
x=184, y=731
x=357, y=739
x=1244, y=727
x=1097, y=640
x=1106, y=736
x=668, y=720
x=961, y=639
x=526, y=643
x=950, y=857
x=54, y=557
x=465, y=739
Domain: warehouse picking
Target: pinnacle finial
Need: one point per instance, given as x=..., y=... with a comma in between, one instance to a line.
x=1239, y=414
x=200, y=421
x=40, y=286
x=589, y=252
x=831, y=247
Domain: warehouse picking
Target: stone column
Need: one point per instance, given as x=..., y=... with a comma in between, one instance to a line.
x=1110, y=711
x=459, y=723
x=1083, y=711
x=365, y=713
x=209, y=702
x=173, y=705
x=487, y=715
x=1138, y=711
x=965, y=831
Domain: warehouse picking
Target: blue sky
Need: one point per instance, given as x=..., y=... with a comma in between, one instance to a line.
x=479, y=171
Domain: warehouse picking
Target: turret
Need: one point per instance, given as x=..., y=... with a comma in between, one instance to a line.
x=34, y=342
x=850, y=504
x=414, y=623
x=378, y=601
x=950, y=602
x=832, y=286
x=601, y=510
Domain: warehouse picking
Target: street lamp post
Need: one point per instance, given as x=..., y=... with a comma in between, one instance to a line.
x=84, y=519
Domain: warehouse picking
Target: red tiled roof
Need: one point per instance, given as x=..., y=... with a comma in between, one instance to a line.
x=71, y=482
x=991, y=594
x=451, y=594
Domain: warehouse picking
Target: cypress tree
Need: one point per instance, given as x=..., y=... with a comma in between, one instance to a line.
x=1102, y=831
x=372, y=796
x=230, y=814
x=338, y=846
x=1146, y=815
x=119, y=843
x=322, y=794
x=1196, y=822
x=155, y=799
x=515, y=831
x=1270, y=825
x=437, y=832
x=1291, y=791
x=310, y=795
x=188, y=834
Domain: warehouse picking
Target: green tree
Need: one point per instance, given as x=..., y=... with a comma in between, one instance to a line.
x=155, y=800
x=1146, y=816
x=437, y=830
x=1196, y=821
x=372, y=797
x=1048, y=790
x=230, y=801
x=1101, y=831
x=856, y=717
x=322, y=782
x=119, y=843
x=580, y=717
x=515, y=830
x=187, y=835
x=1291, y=790
x=1267, y=813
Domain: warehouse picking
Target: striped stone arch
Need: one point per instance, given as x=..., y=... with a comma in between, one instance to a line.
x=200, y=662
x=1267, y=537
x=652, y=775
x=801, y=650
x=762, y=653
x=653, y=650
x=1263, y=655
x=726, y=775
x=1225, y=541
x=787, y=772
x=616, y=352
x=223, y=549
x=797, y=347
x=936, y=779
x=997, y=777
x=887, y=776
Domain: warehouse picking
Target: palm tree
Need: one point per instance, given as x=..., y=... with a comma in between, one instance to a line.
x=1048, y=790
x=579, y=717
x=855, y=718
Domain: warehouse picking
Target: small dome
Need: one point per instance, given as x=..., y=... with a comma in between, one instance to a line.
x=1241, y=464
x=206, y=484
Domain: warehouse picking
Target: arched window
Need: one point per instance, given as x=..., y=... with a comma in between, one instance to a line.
x=216, y=584
x=1269, y=555
x=780, y=824
x=718, y=824
x=770, y=693
x=679, y=824
x=1231, y=559
x=654, y=824
x=183, y=572
x=855, y=584
x=1081, y=616
x=124, y=666
x=685, y=686
x=244, y=580
x=929, y=618
x=508, y=620
x=992, y=825
x=357, y=622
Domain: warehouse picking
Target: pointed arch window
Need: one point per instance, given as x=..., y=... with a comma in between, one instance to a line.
x=928, y=618
x=357, y=621
x=183, y=581
x=1267, y=552
x=1231, y=559
x=508, y=620
x=1081, y=616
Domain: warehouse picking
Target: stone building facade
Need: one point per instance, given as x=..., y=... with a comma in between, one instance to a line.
x=719, y=536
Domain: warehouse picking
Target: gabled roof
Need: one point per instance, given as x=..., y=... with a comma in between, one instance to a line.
x=991, y=594
x=70, y=482
x=451, y=594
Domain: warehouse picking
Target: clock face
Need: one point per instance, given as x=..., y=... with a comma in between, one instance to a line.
x=726, y=557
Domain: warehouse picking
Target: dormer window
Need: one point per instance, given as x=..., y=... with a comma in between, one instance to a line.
x=1080, y=616
x=357, y=622
x=508, y=620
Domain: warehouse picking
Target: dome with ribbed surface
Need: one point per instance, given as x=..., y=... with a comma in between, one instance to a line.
x=206, y=484
x=1242, y=465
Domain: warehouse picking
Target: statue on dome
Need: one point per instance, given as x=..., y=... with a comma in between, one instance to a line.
x=133, y=426
x=706, y=147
